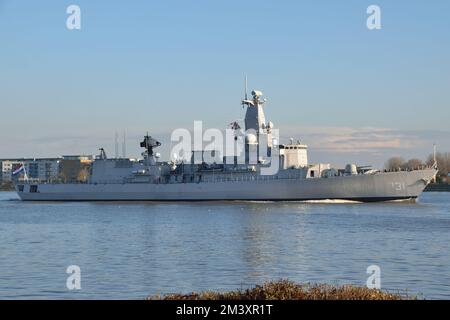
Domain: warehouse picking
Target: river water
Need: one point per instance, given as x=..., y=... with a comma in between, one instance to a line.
x=132, y=250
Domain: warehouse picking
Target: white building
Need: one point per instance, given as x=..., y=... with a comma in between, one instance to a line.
x=8, y=166
x=40, y=169
x=293, y=155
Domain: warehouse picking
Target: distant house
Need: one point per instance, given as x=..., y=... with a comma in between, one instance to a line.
x=8, y=166
x=86, y=159
x=40, y=169
x=75, y=168
x=68, y=168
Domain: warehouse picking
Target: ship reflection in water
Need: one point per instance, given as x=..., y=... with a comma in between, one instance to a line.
x=131, y=250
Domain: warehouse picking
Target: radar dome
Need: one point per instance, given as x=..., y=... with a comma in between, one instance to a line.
x=257, y=93
x=250, y=138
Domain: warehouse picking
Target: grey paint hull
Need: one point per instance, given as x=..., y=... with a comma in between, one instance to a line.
x=375, y=187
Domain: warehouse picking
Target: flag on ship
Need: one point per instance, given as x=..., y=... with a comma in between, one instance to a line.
x=20, y=169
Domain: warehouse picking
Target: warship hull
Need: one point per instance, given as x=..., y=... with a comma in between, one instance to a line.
x=382, y=186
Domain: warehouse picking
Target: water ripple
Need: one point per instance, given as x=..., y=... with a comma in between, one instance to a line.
x=131, y=250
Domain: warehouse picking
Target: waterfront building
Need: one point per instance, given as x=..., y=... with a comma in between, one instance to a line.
x=42, y=169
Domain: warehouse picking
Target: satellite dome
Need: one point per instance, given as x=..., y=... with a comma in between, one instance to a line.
x=257, y=93
x=250, y=138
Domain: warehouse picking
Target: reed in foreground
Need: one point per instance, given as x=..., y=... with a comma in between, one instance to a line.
x=288, y=290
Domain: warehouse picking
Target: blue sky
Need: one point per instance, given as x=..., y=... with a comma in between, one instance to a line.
x=350, y=93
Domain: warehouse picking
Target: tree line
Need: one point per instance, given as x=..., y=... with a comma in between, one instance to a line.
x=442, y=159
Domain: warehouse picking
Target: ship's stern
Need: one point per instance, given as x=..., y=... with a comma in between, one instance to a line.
x=27, y=191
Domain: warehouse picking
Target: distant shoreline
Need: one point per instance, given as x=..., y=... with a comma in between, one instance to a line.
x=7, y=187
x=437, y=187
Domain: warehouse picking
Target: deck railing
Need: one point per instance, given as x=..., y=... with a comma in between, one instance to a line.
x=199, y=178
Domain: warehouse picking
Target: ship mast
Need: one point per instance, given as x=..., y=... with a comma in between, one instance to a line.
x=149, y=143
x=256, y=128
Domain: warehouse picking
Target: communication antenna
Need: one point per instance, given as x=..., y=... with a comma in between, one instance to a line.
x=116, y=144
x=245, y=91
x=25, y=175
x=245, y=87
x=124, y=146
x=434, y=155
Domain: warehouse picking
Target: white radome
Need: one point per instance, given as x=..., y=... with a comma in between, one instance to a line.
x=250, y=138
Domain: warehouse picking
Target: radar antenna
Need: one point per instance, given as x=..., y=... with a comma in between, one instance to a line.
x=149, y=143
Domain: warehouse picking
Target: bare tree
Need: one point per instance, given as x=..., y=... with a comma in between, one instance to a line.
x=414, y=164
x=443, y=162
x=395, y=163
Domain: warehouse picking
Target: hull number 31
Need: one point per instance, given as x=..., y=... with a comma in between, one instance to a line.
x=398, y=186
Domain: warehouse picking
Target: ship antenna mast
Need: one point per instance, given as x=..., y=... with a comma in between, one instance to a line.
x=245, y=91
x=245, y=87
x=116, y=144
x=434, y=156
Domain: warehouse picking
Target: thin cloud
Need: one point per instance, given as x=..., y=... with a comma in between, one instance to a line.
x=369, y=140
x=326, y=144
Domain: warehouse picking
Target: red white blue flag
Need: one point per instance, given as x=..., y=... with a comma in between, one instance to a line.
x=20, y=169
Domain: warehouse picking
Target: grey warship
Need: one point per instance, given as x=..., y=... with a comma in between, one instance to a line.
x=247, y=176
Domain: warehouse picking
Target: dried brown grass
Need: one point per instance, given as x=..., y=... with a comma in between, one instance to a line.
x=288, y=290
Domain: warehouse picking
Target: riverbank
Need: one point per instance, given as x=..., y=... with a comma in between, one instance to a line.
x=288, y=290
x=6, y=186
x=437, y=187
